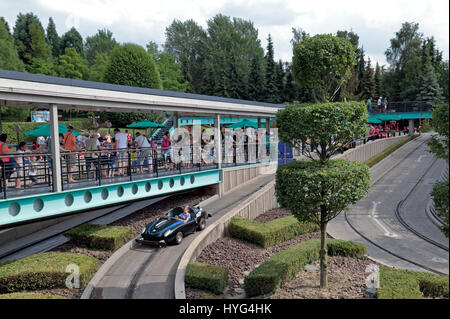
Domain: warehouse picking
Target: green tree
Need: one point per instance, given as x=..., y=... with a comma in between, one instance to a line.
x=439, y=145
x=52, y=38
x=9, y=59
x=430, y=92
x=298, y=35
x=172, y=78
x=71, y=65
x=256, y=81
x=317, y=190
x=72, y=39
x=185, y=41
x=97, y=70
x=369, y=83
x=271, y=94
x=323, y=63
x=377, y=80
x=22, y=36
x=280, y=81
x=102, y=42
x=40, y=53
x=131, y=65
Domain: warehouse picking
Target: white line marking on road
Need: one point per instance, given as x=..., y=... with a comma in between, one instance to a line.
x=439, y=260
x=375, y=218
x=420, y=158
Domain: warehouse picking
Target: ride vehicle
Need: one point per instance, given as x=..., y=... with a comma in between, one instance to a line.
x=172, y=229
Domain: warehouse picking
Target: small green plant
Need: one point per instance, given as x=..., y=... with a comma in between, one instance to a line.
x=207, y=277
x=271, y=233
x=45, y=271
x=100, y=237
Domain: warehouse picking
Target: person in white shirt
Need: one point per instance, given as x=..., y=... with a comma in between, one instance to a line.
x=122, y=145
x=146, y=154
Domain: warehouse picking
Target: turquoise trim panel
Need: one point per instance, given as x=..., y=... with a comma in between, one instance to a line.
x=27, y=208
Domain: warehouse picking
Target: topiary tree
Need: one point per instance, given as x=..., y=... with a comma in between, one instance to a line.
x=130, y=64
x=317, y=190
x=323, y=63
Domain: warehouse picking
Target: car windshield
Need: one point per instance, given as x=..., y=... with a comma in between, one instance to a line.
x=175, y=212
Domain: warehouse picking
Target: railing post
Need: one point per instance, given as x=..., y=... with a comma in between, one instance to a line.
x=56, y=156
x=129, y=165
x=4, y=185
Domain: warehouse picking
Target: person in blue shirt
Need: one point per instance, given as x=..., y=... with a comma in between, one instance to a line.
x=185, y=216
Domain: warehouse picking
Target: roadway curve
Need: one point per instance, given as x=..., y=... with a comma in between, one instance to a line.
x=391, y=220
x=149, y=273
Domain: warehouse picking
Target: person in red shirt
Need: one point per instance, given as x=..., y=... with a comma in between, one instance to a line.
x=70, y=144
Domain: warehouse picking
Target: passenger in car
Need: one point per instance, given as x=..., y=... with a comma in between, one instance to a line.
x=185, y=216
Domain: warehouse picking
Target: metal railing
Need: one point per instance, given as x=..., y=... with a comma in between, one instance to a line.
x=106, y=166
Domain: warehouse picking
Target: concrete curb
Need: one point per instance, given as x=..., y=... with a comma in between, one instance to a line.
x=101, y=272
x=218, y=228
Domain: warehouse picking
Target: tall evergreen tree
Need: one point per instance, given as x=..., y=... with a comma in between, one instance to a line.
x=52, y=38
x=377, y=80
x=255, y=81
x=72, y=39
x=280, y=81
x=40, y=55
x=430, y=91
x=270, y=94
x=360, y=71
x=102, y=42
x=9, y=59
x=369, y=83
x=22, y=36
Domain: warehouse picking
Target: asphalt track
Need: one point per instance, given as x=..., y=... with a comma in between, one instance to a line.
x=149, y=273
x=391, y=219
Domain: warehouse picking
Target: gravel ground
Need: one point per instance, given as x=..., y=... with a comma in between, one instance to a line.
x=136, y=221
x=273, y=214
x=346, y=275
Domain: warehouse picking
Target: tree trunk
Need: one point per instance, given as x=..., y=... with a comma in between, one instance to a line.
x=323, y=255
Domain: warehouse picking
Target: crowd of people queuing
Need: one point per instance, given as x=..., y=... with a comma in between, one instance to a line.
x=89, y=151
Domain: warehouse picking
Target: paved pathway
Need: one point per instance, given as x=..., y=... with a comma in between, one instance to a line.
x=394, y=179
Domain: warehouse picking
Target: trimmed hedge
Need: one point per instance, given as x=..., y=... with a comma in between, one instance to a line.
x=100, y=236
x=29, y=295
x=407, y=284
x=44, y=271
x=283, y=266
x=271, y=233
x=207, y=277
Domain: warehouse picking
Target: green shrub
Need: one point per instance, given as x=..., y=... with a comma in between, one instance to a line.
x=44, y=271
x=271, y=233
x=207, y=277
x=29, y=295
x=407, y=284
x=283, y=266
x=100, y=237
x=345, y=248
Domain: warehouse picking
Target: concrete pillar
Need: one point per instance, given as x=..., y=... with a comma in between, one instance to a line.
x=56, y=156
x=175, y=120
x=218, y=141
x=411, y=127
x=268, y=130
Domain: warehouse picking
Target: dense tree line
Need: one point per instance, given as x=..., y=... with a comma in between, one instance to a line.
x=225, y=59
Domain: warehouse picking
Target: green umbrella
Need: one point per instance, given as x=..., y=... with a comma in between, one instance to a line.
x=374, y=120
x=145, y=124
x=245, y=123
x=44, y=130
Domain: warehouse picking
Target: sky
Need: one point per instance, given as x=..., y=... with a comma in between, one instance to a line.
x=141, y=21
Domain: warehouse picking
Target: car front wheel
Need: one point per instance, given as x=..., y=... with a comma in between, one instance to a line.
x=178, y=238
x=201, y=224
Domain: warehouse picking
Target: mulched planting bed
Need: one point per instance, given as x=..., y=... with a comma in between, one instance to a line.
x=346, y=280
x=272, y=215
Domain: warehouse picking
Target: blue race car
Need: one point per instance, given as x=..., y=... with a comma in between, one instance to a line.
x=171, y=228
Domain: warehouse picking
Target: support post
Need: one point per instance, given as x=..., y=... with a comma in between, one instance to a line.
x=218, y=141
x=175, y=120
x=268, y=132
x=56, y=156
x=411, y=127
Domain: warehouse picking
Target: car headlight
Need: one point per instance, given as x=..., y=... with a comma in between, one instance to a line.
x=167, y=233
x=143, y=230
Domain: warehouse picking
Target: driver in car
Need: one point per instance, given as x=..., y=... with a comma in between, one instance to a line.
x=185, y=216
